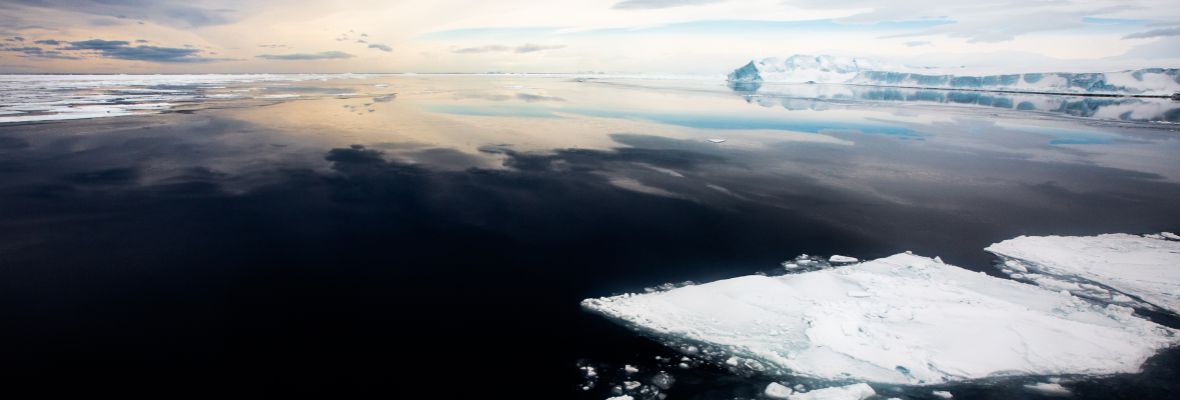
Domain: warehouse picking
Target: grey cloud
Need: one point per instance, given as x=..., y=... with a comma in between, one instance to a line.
x=105, y=22
x=917, y=43
x=122, y=50
x=37, y=52
x=325, y=55
x=529, y=48
x=381, y=47
x=481, y=49
x=655, y=4
x=50, y=42
x=524, y=48
x=1154, y=33
x=181, y=13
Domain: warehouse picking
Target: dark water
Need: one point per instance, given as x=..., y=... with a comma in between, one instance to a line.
x=438, y=245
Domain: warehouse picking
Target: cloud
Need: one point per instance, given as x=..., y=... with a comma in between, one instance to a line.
x=524, y=48
x=1154, y=33
x=50, y=42
x=16, y=39
x=481, y=49
x=179, y=13
x=530, y=48
x=324, y=55
x=123, y=50
x=984, y=21
x=656, y=4
x=381, y=47
x=37, y=52
x=917, y=43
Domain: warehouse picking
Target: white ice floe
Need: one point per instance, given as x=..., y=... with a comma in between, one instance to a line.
x=1049, y=389
x=776, y=390
x=942, y=394
x=716, y=140
x=1129, y=265
x=857, y=391
x=842, y=259
x=903, y=319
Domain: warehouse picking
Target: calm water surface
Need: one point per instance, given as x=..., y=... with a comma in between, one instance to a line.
x=434, y=236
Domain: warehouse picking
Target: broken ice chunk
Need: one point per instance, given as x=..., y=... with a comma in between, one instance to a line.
x=1135, y=266
x=922, y=326
x=1049, y=389
x=857, y=391
x=942, y=394
x=777, y=391
x=842, y=259
x=716, y=140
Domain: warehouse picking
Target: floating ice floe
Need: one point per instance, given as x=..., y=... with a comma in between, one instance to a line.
x=842, y=259
x=857, y=391
x=715, y=140
x=903, y=319
x=1049, y=389
x=1116, y=268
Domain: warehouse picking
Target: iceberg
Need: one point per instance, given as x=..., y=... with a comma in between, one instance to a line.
x=1161, y=82
x=1119, y=268
x=803, y=68
x=903, y=319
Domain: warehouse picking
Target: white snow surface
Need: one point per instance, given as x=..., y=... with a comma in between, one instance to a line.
x=1136, y=266
x=858, y=391
x=913, y=320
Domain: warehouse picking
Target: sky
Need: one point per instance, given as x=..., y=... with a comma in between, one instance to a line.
x=612, y=36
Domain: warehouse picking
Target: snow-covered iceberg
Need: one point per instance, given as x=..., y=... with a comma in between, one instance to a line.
x=903, y=319
x=801, y=68
x=1117, y=268
x=828, y=69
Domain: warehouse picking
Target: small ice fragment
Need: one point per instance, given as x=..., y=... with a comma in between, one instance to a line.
x=589, y=371
x=790, y=265
x=1049, y=389
x=942, y=394
x=777, y=391
x=631, y=385
x=1170, y=235
x=859, y=391
x=629, y=369
x=663, y=380
x=732, y=361
x=623, y=397
x=842, y=259
x=716, y=140
x=938, y=259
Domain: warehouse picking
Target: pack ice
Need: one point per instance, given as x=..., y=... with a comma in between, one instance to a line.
x=1118, y=268
x=902, y=319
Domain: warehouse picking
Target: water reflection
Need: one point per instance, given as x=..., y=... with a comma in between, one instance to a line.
x=462, y=221
x=820, y=97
